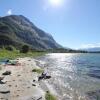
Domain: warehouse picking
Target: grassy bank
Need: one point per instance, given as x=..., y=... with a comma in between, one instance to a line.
x=49, y=96
x=5, y=54
x=39, y=71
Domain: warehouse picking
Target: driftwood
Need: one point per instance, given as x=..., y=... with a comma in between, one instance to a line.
x=43, y=77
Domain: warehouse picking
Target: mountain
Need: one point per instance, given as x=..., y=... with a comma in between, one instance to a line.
x=17, y=30
x=92, y=49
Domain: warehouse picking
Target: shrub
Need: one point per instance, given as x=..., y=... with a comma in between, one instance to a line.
x=37, y=70
x=25, y=49
x=9, y=48
x=49, y=96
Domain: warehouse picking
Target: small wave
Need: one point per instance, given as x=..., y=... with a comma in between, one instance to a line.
x=94, y=75
x=93, y=95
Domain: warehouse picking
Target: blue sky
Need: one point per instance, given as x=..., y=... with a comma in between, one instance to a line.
x=73, y=23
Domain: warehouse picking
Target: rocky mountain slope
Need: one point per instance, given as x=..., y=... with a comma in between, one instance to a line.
x=17, y=30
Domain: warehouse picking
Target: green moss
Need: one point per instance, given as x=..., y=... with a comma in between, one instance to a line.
x=37, y=70
x=49, y=96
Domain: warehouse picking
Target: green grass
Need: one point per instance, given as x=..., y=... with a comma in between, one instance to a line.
x=0, y=68
x=38, y=70
x=5, y=54
x=49, y=96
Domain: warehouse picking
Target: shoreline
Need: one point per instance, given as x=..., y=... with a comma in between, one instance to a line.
x=23, y=84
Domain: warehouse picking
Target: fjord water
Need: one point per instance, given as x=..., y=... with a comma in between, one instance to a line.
x=74, y=76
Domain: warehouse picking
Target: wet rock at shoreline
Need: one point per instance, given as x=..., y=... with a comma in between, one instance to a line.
x=33, y=85
x=4, y=92
x=7, y=73
x=1, y=82
x=94, y=95
x=1, y=78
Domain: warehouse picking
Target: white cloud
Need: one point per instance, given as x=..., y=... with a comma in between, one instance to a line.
x=9, y=12
x=90, y=45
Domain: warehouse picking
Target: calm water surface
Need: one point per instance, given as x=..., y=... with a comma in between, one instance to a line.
x=74, y=76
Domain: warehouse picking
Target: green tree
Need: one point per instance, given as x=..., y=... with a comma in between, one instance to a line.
x=25, y=49
x=9, y=48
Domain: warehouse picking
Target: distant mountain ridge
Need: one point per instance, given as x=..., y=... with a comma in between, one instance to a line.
x=92, y=49
x=17, y=30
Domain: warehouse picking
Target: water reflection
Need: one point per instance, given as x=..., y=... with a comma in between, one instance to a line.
x=70, y=74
